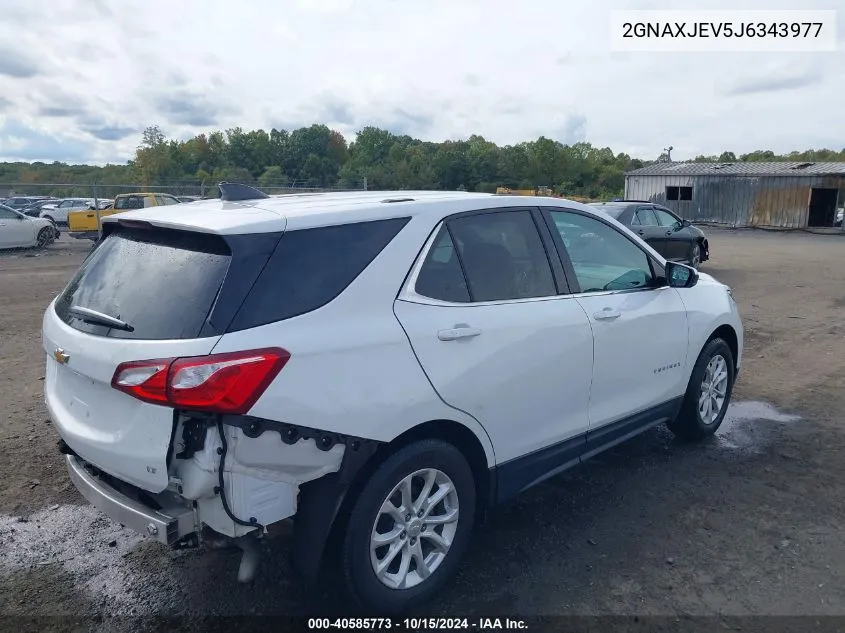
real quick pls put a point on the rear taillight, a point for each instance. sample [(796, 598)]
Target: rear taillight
[(220, 383)]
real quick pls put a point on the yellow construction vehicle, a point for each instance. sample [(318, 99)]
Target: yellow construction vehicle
[(539, 191)]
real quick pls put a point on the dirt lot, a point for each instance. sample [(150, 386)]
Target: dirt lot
[(750, 523)]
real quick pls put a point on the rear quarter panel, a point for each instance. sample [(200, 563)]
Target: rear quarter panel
[(352, 369)]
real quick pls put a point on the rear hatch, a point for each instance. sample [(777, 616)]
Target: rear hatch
[(165, 286)]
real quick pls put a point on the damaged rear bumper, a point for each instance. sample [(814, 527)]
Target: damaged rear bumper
[(168, 524)]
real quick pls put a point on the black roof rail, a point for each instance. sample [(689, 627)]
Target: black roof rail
[(235, 191), (390, 200)]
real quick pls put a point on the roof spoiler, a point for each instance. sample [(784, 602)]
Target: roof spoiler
[(235, 191)]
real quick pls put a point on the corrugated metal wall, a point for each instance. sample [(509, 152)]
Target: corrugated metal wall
[(765, 201)]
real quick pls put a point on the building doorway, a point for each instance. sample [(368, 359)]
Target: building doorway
[(822, 207)]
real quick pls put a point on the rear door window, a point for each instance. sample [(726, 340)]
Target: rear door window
[(645, 217), (441, 276), (162, 283), (310, 267), (503, 256)]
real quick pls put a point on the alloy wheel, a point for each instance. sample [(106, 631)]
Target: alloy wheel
[(414, 529), (714, 390)]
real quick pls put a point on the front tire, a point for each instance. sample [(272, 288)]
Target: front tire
[(708, 393), (409, 527), (694, 257), (46, 236)]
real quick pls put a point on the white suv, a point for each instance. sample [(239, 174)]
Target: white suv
[(57, 212), (380, 367)]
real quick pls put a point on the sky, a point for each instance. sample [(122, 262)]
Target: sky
[(80, 79)]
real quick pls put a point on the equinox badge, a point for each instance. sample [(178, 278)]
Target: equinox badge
[(60, 356)]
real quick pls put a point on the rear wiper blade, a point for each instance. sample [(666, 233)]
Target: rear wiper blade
[(98, 318)]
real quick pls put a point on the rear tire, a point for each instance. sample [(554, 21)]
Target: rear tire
[(415, 544), (708, 393)]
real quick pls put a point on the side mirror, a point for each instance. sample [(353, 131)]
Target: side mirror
[(681, 275)]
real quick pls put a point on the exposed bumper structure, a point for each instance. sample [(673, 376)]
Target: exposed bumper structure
[(166, 525)]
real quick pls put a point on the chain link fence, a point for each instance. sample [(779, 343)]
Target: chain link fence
[(179, 189)]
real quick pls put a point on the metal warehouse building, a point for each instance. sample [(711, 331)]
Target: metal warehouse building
[(781, 195)]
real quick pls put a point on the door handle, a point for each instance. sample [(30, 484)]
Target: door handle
[(461, 330), (668, 233), (641, 232), (607, 314)]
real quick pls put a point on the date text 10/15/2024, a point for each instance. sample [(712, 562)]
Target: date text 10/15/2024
[(415, 624)]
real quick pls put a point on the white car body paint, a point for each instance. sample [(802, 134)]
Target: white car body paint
[(369, 363), (18, 230)]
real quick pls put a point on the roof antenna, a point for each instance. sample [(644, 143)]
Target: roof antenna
[(235, 191), (667, 157)]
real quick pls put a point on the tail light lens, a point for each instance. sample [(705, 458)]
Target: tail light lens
[(219, 383)]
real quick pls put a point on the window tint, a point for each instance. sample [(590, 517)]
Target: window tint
[(182, 271), (130, 202), (645, 217), (603, 258), (613, 210), (503, 256), (441, 276), (665, 218), (7, 214), (169, 200), (310, 267)]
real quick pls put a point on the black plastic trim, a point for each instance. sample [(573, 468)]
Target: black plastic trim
[(521, 473), (236, 191), (250, 254), (610, 435)]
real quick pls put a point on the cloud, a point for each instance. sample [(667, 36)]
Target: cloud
[(61, 111), (21, 142), (573, 130), (335, 110), (760, 85), (87, 74), (191, 108), (14, 63), (106, 132), (400, 121)]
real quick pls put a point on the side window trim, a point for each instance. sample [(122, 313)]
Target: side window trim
[(657, 270), (561, 278)]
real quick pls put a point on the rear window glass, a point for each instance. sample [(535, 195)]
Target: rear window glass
[(162, 283), (130, 202), (310, 267), (613, 210)]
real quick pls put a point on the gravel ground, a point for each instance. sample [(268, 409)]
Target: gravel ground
[(749, 523)]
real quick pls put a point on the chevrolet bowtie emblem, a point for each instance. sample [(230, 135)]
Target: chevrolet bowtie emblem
[(60, 356)]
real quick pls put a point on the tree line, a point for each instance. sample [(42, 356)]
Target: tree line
[(318, 156)]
